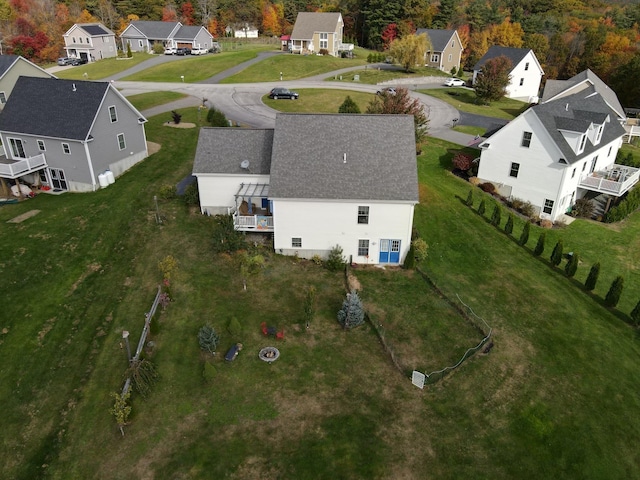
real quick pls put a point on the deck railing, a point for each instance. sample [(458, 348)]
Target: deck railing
[(616, 180), (22, 167), (253, 222)]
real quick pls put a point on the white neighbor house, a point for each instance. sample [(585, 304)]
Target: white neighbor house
[(525, 75), (316, 181), (558, 152)]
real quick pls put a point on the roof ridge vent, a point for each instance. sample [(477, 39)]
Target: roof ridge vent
[(73, 89), (566, 107)]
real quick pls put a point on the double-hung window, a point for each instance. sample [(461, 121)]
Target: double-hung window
[(526, 139), (296, 242), (363, 214), (363, 248), (548, 206), (113, 115), (515, 168), (324, 40), (121, 143)]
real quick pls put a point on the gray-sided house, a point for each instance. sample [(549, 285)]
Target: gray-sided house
[(316, 181), (142, 35), (446, 49), (315, 31), (64, 134), (90, 42), (525, 75), (13, 67)]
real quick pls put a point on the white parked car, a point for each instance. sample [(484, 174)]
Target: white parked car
[(454, 82), (170, 51), (198, 51)]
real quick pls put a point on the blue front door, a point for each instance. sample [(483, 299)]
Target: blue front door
[(389, 251)]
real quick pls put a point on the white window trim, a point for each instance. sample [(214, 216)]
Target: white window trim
[(3, 97), (361, 246), (522, 142), (15, 140), (64, 144), (296, 242), (41, 145), (364, 213), (124, 141), (114, 117), (550, 207)]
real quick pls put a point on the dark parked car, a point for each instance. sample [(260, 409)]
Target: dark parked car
[(183, 51), (277, 93), (78, 61)]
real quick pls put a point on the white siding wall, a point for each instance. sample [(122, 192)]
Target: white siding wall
[(218, 192), (532, 77), (322, 225), (540, 175)]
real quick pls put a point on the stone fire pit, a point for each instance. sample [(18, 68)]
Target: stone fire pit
[(269, 354)]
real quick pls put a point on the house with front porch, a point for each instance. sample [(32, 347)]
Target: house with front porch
[(558, 152), (142, 35), (315, 31), (446, 49), (90, 42), (525, 75), (64, 134), (316, 181)]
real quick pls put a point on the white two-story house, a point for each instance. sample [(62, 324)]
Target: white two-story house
[(525, 75), (316, 181), (557, 152)]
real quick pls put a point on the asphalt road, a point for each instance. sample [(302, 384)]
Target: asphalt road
[(242, 103)]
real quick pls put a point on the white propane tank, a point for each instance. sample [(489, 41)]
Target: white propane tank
[(110, 177), (102, 180)]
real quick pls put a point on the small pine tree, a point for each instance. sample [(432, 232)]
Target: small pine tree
[(572, 265), (524, 236), (508, 227), (469, 201), (335, 261), (235, 327), (349, 106), (614, 293), (482, 207), (352, 313), (540, 245), (208, 339), (129, 54), (635, 314), (495, 216), (176, 117), (216, 118), (556, 255), (592, 278)]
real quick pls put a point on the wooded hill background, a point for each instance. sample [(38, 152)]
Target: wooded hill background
[(567, 36)]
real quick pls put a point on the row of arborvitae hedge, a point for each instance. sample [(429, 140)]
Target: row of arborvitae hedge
[(615, 290)]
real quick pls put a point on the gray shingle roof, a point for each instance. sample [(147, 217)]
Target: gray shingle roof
[(439, 38), (555, 88), (222, 150), (187, 32), (154, 29), (6, 61), (340, 156), (307, 23), (514, 54), (575, 113), (52, 107)]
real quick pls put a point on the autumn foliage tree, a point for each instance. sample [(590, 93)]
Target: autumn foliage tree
[(402, 103), (270, 20), (491, 82), (409, 51), (389, 34)]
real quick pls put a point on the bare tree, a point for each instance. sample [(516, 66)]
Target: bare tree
[(207, 10)]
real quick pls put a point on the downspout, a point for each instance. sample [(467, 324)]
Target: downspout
[(88, 154)]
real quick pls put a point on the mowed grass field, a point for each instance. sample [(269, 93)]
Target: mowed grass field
[(555, 397)]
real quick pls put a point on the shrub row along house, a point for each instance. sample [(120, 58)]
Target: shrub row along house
[(316, 181), (561, 150), (63, 134)]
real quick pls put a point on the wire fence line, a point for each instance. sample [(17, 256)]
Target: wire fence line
[(143, 337)]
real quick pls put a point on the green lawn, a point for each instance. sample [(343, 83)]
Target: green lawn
[(143, 101), (103, 68), (294, 67), (197, 68), (464, 100), (374, 75), (319, 101), (555, 398)]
